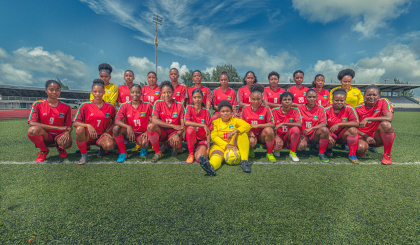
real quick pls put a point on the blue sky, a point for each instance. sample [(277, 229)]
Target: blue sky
[(41, 40)]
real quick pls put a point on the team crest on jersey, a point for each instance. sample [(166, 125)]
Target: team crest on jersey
[(304, 93), (261, 117), (230, 126), (61, 115), (377, 111), (291, 119), (107, 115), (325, 97), (156, 92), (229, 98), (204, 93), (315, 118), (178, 93), (203, 121), (174, 115), (108, 91), (143, 114), (344, 119)]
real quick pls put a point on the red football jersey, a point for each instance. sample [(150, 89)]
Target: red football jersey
[(347, 114), (42, 112), (261, 116), (138, 118), (313, 117), (381, 107), (298, 94), (100, 119), (180, 92), (150, 95), (323, 98), (273, 96), (206, 94), (202, 117), (292, 116), (172, 115), (124, 94), (244, 96), (218, 96)]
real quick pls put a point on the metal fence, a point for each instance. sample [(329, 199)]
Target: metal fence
[(21, 98)]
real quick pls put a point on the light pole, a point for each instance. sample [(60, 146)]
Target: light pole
[(158, 21)]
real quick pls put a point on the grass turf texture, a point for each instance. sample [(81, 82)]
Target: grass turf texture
[(16, 147), (168, 203)]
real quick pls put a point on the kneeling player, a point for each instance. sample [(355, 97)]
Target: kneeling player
[(50, 123), (229, 133), (167, 122), (314, 127), (287, 122), (375, 128), (94, 123), (198, 122), (342, 122), (131, 123), (261, 121)]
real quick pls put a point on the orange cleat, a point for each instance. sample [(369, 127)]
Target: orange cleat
[(42, 156), (190, 159), (386, 159)]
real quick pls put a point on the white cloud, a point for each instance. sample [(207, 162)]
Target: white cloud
[(12, 76), (142, 66), (181, 69), (367, 17), (3, 53)]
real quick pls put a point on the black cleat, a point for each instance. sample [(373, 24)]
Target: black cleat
[(373, 149), (323, 158), (205, 164), (245, 166), (101, 153), (345, 147)]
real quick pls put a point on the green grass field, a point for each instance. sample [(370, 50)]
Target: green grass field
[(167, 203)]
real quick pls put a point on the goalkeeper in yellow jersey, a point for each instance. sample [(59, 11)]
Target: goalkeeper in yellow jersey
[(229, 136)]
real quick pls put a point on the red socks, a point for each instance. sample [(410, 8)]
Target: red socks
[(323, 143), (387, 141), (120, 143), (294, 138), (154, 140), (270, 146), (190, 137), (353, 142), (38, 140), (82, 147)]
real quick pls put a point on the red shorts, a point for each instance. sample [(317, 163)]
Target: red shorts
[(258, 137), (338, 138), (91, 141), (284, 139), (137, 135), (376, 145), (166, 133), (52, 138), (310, 138)]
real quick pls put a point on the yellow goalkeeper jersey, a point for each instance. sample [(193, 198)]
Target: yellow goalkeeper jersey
[(354, 96), (221, 130), (111, 94)]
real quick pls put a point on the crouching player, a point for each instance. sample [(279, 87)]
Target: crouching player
[(288, 122), (94, 123), (314, 127), (229, 133), (342, 122), (167, 122), (131, 123), (261, 120), (198, 122), (50, 123), (375, 128)]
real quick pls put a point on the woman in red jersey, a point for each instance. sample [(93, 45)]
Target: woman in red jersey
[(244, 93), (287, 121), (167, 122), (314, 127), (131, 123), (342, 122), (94, 122), (261, 120), (323, 96), (50, 123), (196, 77), (375, 128), (298, 90), (124, 90), (272, 93), (198, 122), (151, 93), (224, 93), (180, 90)]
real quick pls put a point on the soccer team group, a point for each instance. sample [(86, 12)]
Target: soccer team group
[(154, 115)]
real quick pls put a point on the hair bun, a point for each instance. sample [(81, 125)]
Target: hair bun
[(346, 72), (105, 67), (98, 81)]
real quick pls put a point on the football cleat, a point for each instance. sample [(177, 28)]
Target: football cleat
[(251, 153), (136, 148), (156, 157), (245, 166), (83, 159), (122, 157), (353, 159), (386, 159), (205, 164), (271, 158), (276, 153), (345, 147), (42, 155), (373, 149), (293, 156), (362, 154), (323, 158), (101, 153), (190, 159), (144, 152), (61, 152), (163, 147), (328, 152)]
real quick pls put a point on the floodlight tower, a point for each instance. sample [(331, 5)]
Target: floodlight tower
[(158, 21)]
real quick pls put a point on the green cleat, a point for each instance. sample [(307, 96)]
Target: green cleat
[(323, 158), (271, 157), (156, 157), (252, 153)]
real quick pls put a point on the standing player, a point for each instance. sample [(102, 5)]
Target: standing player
[(131, 123), (167, 122), (375, 128), (228, 133), (198, 122), (151, 93), (224, 93), (261, 120), (180, 90), (272, 93), (298, 90), (94, 123), (50, 123), (342, 122), (354, 96), (314, 127), (323, 96), (197, 84), (288, 122), (111, 90), (244, 93), (124, 90)]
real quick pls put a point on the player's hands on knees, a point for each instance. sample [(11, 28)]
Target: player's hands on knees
[(331, 141), (231, 134), (107, 135), (278, 142), (178, 127), (229, 146), (333, 128), (175, 140), (144, 136), (130, 134), (92, 132), (278, 126), (370, 140), (362, 123), (306, 131), (65, 137)]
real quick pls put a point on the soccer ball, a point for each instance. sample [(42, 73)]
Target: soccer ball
[(232, 157)]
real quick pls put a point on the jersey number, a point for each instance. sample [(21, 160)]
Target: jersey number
[(137, 122), (284, 129), (99, 123), (51, 120), (275, 100), (168, 120), (151, 98), (308, 124), (127, 98), (254, 122)]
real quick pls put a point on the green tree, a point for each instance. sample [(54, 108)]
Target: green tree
[(231, 71), (63, 87), (408, 93), (187, 78)]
